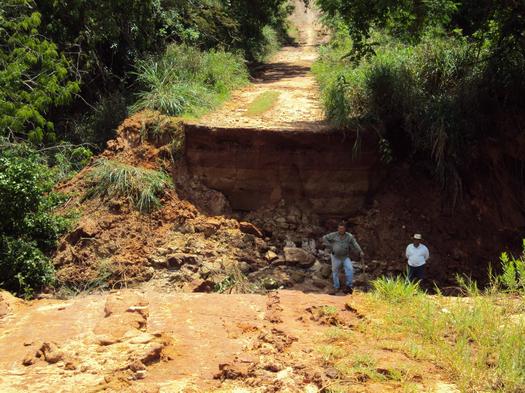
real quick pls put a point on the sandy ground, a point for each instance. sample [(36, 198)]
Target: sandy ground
[(298, 106)]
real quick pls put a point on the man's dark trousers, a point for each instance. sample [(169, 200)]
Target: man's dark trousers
[(416, 273)]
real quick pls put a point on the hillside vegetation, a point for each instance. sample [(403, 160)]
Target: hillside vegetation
[(434, 79), (69, 75)]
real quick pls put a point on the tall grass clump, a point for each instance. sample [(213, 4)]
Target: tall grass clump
[(188, 81), (395, 289), (141, 186)]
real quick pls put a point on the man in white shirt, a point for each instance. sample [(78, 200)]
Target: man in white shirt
[(417, 255)]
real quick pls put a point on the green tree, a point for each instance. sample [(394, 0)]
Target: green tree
[(33, 74)]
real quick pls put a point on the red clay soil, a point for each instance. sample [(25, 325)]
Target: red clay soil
[(143, 341)]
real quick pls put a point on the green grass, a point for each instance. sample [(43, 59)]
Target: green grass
[(141, 186), (262, 103), (395, 289), (187, 81), (476, 340)]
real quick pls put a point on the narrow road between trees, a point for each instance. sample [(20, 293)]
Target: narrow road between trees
[(286, 83)]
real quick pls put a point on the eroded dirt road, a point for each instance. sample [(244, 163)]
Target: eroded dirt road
[(288, 73), (142, 341)]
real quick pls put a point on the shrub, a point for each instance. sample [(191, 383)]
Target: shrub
[(141, 186), (269, 44), (98, 124), (186, 80), (512, 277), (23, 266), (28, 227)]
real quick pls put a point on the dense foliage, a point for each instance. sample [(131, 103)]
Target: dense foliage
[(28, 228), (432, 77), (33, 74)]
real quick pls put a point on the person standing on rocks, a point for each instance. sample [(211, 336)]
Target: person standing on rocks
[(340, 243), (417, 255)]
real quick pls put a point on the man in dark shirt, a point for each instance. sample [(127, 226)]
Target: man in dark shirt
[(340, 243)]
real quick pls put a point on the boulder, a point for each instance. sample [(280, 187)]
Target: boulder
[(298, 256), (200, 285), (297, 276), (321, 284), (177, 260), (361, 280), (249, 228), (86, 229)]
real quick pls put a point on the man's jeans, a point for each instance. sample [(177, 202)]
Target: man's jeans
[(349, 271)]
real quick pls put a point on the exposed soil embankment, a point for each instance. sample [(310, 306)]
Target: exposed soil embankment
[(254, 168)]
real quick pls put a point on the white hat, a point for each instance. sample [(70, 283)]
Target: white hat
[(418, 236)]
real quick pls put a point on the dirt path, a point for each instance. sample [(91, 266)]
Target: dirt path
[(287, 75), (143, 341)]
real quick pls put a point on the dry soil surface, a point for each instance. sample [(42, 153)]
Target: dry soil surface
[(142, 341)]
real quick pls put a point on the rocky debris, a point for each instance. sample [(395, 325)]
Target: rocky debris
[(298, 256), (122, 314), (7, 301), (287, 221), (49, 352), (235, 370)]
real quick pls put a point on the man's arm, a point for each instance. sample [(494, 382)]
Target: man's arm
[(355, 245), (427, 253), (407, 253), (327, 239)]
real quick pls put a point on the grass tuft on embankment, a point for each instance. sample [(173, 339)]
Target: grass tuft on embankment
[(143, 187), (477, 340)]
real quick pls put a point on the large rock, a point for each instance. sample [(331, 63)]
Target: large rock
[(86, 229), (177, 260), (298, 256), (249, 228)]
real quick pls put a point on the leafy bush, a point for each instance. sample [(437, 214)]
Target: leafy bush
[(141, 186), (270, 43), (188, 81), (28, 228), (432, 78), (23, 267), (421, 99)]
